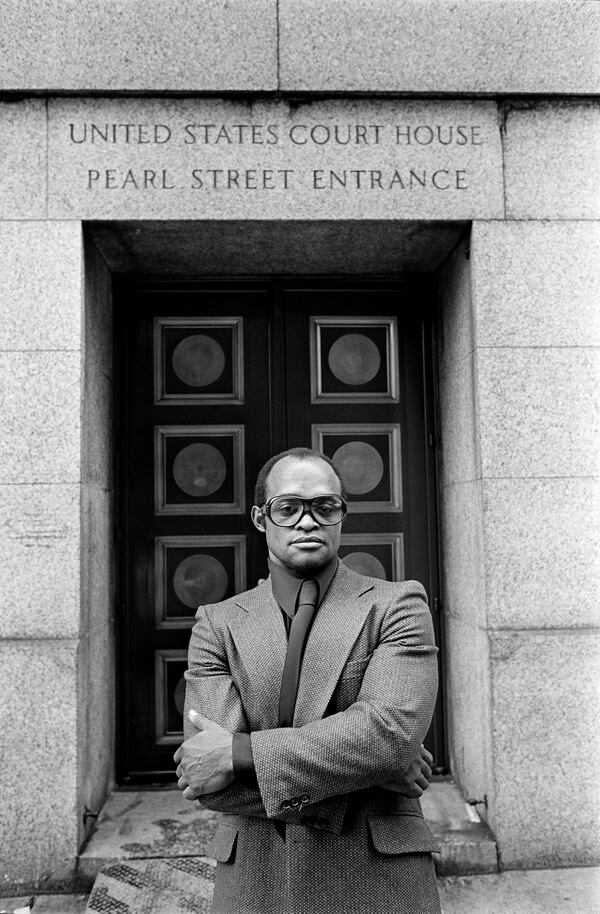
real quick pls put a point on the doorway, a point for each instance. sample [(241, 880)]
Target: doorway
[(214, 377)]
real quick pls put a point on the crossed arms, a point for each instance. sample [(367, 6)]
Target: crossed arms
[(371, 742)]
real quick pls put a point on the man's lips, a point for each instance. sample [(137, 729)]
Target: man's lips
[(309, 539)]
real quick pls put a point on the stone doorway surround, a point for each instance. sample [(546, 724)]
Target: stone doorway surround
[(124, 828)]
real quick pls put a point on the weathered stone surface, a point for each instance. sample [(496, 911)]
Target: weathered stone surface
[(440, 46), (469, 709), (538, 411), (39, 561), (23, 155), (467, 845), (157, 159), (542, 542), (536, 283), (456, 326), (40, 277), (98, 325), (38, 826), (463, 551), (459, 444), (141, 45), (40, 398), (147, 824), (97, 438), (459, 422), (545, 745), (97, 661), (552, 159)]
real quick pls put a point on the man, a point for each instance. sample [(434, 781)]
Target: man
[(307, 701)]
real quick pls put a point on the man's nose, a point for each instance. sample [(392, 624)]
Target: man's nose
[(307, 522)]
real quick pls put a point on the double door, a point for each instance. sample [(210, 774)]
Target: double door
[(215, 377)]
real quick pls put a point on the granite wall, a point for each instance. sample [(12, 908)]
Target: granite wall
[(40, 544)]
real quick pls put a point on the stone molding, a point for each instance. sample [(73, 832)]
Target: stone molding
[(409, 47)]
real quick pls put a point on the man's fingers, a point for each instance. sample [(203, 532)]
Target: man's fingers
[(182, 783), (190, 793), (426, 754), (178, 756), (426, 770)]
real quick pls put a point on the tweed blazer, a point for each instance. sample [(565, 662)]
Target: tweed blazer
[(366, 694)]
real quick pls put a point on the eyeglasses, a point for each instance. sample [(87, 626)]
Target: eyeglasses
[(287, 510)]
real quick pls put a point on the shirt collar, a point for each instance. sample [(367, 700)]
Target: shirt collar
[(286, 585)]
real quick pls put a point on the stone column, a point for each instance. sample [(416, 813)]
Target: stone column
[(55, 378), (537, 385), (520, 380), (40, 497)]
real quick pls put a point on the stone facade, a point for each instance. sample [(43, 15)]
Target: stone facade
[(513, 241)]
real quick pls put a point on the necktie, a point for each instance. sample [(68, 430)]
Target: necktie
[(308, 598)]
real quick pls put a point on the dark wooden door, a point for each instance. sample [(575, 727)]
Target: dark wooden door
[(215, 377)]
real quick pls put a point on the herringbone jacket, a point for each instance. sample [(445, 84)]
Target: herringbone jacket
[(365, 699)]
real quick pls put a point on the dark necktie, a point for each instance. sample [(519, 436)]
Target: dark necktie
[(308, 598)]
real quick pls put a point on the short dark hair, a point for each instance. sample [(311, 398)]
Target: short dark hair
[(299, 453)]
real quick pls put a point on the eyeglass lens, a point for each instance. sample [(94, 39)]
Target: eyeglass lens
[(286, 511)]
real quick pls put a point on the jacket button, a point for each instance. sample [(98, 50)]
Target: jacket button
[(304, 798), (286, 804), (295, 802)]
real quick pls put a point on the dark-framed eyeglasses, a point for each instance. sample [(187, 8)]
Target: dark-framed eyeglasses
[(287, 510)]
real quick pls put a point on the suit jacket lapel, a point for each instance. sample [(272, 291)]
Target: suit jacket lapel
[(336, 627), (261, 642)]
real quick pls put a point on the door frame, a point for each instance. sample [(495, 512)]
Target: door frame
[(427, 282)]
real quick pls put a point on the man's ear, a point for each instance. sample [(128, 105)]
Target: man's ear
[(258, 519)]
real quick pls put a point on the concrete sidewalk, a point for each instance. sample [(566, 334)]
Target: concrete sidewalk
[(564, 891)]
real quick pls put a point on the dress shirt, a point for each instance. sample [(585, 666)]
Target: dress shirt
[(286, 587)]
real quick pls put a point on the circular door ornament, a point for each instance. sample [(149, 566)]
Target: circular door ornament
[(354, 359), (199, 469), (365, 563), (198, 360), (360, 466), (200, 579), (179, 695)]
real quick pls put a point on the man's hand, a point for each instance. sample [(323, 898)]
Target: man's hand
[(205, 761), (415, 779)]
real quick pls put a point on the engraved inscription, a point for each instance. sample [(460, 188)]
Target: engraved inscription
[(319, 135), (220, 159)]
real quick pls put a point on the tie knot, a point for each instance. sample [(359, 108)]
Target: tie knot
[(309, 593)]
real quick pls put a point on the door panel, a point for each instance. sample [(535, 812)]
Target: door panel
[(216, 377), (359, 395), (195, 433)]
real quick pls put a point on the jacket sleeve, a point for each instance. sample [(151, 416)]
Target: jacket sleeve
[(211, 691), (373, 738)]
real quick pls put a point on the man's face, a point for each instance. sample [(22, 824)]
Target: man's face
[(308, 546)]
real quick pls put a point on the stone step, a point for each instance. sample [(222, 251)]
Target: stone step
[(146, 824), (468, 845)]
